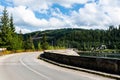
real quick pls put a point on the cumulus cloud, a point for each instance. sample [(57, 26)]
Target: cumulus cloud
[(23, 30), (1, 8), (95, 14), (90, 15), (26, 16), (21, 15), (40, 5), (112, 10), (69, 3)]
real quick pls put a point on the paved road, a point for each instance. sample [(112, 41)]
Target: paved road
[(25, 66)]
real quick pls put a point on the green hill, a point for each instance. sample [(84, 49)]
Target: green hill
[(82, 39)]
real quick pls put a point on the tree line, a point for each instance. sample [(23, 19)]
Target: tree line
[(8, 38), (81, 39), (86, 39), (14, 41)]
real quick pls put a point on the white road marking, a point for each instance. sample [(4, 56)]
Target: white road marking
[(21, 61), (93, 77)]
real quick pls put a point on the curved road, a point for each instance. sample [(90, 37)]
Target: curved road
[(26, 66)]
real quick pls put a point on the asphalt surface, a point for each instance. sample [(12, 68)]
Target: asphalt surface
[(26, 66)]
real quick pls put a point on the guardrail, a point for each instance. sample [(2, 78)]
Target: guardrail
[(101, 64)]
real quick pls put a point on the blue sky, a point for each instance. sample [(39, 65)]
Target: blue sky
[(32, 15)]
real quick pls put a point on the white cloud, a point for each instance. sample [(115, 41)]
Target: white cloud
[(41, 5), (69, 3), (26, 16), (98, 16), (112, 10), (93, 15), (1, 8), (34, 5), (110, 3), (23, 30)]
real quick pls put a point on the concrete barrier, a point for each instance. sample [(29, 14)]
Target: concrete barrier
[(100, 64)]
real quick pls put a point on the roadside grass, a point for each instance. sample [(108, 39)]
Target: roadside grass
[(55, 47), (6, 52), (14, 51)]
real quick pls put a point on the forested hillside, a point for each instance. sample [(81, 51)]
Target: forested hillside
[(79, 38)]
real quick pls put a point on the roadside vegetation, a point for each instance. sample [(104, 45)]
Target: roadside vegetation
[(15, 42), (80, 39)]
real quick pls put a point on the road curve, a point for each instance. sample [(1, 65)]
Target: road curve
[(26, 66)]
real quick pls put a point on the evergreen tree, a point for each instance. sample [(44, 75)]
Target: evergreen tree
[(39, 46), (12, 24), (16, 43), (5, 30), (29, 44), (8, 38), (20, 39), (45, 44)]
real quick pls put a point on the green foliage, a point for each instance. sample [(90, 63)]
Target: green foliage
[(12, 24), (5, 30), (44, 43), (8, 38), (28, 44), (80, 38), (39, 46), (17, 43), (51, 39)]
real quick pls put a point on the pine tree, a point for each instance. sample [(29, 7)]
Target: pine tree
[(45, 44), (5, 30), (12, 24), (20, 39), (29, 44), (14, 38), (8, 38)]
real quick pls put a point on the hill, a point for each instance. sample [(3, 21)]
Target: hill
[(82, 39)]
